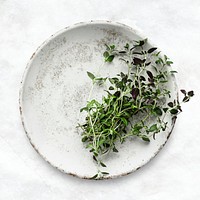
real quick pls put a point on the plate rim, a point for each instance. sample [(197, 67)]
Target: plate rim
[(133, 29)]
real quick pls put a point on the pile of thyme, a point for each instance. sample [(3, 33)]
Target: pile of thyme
[(142, 91)]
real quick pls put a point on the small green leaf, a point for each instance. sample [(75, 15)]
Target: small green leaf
[(84, 108), (94, 177), (105, 54), (170, 104), (165, 57), (84, 139), (147, 64), (112, 46), (191, 93), (150, 74), (135, 92), (111, 88), (126, 46), (173, 72), (138, 61), (186, 99), (107, 47), (122, 74), (105, 173), (179, 108), (95, 154), (153, 128), (94, 158), (164, 81), (183, 91), (165, 109), (152, 50), (91, 75), (99, 79), (114, 149), (158, 111), (158, 53), (174, 111), (158, 61), (124, 121), (141, 42), (117, 94), (109, 58), (145, 138), (92, 150), (102, 164), (169, 62), (111, 80)]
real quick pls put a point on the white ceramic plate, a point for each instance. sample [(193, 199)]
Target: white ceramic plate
[(54, 88)]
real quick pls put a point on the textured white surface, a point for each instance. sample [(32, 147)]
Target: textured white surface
[(173, 25)]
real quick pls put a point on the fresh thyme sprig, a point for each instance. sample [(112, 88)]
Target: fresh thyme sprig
[(141, 92)]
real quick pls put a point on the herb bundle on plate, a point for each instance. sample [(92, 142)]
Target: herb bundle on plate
[(132, 98)]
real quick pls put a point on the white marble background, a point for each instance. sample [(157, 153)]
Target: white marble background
[(173, 25)]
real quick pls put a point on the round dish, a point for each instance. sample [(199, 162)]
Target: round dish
[(54, 88)]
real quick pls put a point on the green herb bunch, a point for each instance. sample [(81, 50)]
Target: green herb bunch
[(137, 96)]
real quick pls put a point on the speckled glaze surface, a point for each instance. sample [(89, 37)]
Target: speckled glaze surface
[(54, 88)]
